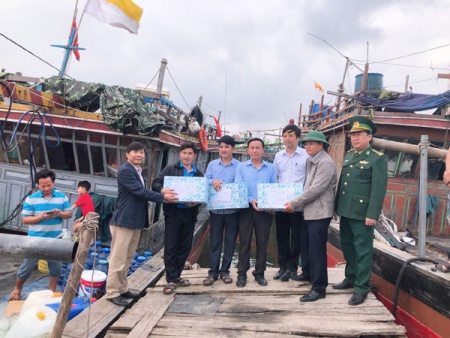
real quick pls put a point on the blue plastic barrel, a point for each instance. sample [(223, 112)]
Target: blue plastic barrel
[(374, 82)]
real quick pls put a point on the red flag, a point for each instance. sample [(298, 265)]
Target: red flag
[(76, 52), (219, 131)]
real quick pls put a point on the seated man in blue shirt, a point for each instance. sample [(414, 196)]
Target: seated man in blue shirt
[(180, 219), (222, 171), (252, 172)]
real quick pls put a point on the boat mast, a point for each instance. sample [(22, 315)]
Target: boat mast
[(69, 47), (159, 86)]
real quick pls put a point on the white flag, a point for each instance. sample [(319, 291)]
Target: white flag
[(120, 13)]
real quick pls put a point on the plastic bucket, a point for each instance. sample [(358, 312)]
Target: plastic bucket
[(91, 281)]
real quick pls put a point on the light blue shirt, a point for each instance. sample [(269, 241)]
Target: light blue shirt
[(246, 172), (218, 171), (291, 168), (37, 204)]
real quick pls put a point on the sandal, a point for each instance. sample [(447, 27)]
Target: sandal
[(169, 289), (182, 282), (226, 279), (443, 266), (209, 280)]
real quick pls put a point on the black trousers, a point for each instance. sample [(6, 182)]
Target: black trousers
[(289, 227), (178, 234), (314, 252), (223, 228), (260, 221)]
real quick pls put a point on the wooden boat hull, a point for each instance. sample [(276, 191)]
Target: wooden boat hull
[(423, 298)]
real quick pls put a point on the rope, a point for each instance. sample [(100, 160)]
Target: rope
[(177, 87), (43, 120)]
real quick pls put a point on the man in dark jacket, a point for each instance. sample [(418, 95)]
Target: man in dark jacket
[(180, 219), (127, 221)]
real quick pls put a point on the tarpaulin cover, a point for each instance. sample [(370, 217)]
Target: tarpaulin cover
[(125, 109), (409, 101), (77, 94)]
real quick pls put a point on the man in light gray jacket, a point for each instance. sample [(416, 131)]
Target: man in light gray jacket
[(317, 202)]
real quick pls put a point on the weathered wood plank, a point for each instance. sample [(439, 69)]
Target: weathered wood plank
[(95, 319), (288, 323), (219, 333)]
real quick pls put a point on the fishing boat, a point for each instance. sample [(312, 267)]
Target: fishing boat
[(68, 135), (404, 275)]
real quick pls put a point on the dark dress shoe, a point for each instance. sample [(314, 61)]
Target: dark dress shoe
[(300, 278), (130, 294), (279, 273), (119, 301), (357, 298), (241, 281), (286, 275), (261, 280), (312, 296), (345, 284)]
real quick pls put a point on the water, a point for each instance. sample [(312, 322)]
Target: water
[(272, 251)]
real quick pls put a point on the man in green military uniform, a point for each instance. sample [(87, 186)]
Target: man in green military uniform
[(359, 199)]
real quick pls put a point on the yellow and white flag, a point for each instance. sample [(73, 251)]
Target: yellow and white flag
[(120, 13)]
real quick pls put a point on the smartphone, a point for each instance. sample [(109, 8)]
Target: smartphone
[(49, 212)]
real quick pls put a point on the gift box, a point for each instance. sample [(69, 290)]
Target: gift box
[(272, 196), (230, 196), (189, 189)]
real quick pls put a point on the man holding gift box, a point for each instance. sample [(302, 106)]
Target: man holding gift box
[(252, 172), (220, 171), (317, 201), (180, 219), (291, 168), (127, 222)]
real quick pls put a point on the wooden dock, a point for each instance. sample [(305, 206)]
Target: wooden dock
[(223, 310)]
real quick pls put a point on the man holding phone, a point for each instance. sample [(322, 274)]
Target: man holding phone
[(44, 212)]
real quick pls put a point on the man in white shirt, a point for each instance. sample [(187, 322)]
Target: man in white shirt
[(291, 168)]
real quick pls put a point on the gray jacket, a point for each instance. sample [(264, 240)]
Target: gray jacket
[(317, 199)]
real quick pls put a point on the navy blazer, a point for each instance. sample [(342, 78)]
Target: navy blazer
[(132, 207)]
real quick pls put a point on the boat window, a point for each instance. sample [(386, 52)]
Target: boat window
[(436, 166), (407, 165), (83, 159), (111, 139), (97, 160), (12, 155), (111, 161), (61, 157), (80, 135)]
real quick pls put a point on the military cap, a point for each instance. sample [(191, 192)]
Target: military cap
[(360, 123), (315, 136)]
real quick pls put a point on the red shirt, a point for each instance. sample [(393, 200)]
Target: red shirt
[(86, 204)]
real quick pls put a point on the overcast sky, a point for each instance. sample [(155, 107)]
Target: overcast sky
[(251, 59)]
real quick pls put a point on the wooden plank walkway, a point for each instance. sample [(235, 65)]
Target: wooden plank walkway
[(223, 310)]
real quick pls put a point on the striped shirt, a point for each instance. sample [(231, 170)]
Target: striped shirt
[(36, 204)]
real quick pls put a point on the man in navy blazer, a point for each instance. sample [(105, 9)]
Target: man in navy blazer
[(127, 221)]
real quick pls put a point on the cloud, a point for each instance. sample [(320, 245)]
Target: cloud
[(252, 60)]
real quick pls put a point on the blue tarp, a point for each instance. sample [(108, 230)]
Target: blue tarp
[(409, 101)]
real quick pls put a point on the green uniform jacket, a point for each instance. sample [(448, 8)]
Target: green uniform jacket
[(362, 185)]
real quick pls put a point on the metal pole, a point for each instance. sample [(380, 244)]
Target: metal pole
[(423, 194), (51, 249), (159, 86)]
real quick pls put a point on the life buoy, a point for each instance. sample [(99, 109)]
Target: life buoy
[(203, 139)]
